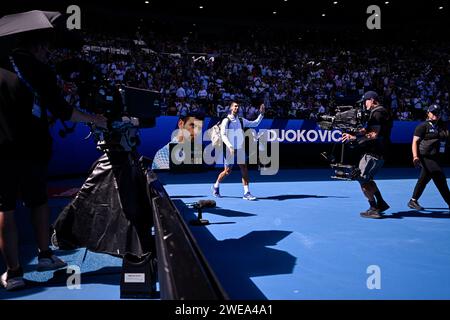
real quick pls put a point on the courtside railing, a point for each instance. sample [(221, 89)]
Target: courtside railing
[(183, 271)]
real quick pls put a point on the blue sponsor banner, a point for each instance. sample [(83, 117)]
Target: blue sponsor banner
[(75, 154)]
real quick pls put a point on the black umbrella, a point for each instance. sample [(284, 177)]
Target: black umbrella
[(36, 24), (27, 21)]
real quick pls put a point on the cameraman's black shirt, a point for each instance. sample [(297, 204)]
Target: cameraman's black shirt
[(21, 133), (379, 117), (431, 134)]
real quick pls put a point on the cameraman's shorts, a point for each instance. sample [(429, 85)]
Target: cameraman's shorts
[(369, 166), (22, 179)]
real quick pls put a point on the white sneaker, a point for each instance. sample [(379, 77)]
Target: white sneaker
[(51, 263), (249, 196), (13, 283)]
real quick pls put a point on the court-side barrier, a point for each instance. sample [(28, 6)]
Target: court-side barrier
[(183, 271)]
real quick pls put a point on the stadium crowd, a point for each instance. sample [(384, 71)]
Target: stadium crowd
[(293, 80)]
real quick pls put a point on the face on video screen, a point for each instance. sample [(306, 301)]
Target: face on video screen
[(192, 125)]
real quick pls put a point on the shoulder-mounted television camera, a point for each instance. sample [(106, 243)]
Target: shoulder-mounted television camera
[(347, 119)]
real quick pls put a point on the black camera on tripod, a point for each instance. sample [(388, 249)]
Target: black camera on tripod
[(347, 119), (126, 108)]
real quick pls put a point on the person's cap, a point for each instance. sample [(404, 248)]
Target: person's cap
[(369, 95), (434, 109)]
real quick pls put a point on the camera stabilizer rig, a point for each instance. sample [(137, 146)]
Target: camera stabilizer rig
[(343, 171), (348, 119)]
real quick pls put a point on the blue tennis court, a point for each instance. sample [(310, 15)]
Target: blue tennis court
[(302, 239)]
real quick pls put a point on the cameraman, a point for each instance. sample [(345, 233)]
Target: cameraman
[(373, 140), (429, 142), (27, 90)]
